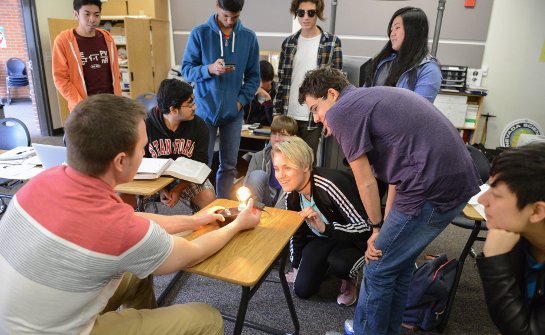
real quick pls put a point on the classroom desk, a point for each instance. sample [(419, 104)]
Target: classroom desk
[(250, 134), (9, 183), (142, 188), (471, 213), (248, 258)]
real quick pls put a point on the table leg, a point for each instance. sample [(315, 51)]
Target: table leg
[(287, 292), (140, 203), (242, 308), (247, 294), (463, 256), (169, 287)]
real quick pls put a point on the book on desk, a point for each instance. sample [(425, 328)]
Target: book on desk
[(181, 168)]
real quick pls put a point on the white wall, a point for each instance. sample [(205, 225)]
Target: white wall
[(60, 9), (516, 76)]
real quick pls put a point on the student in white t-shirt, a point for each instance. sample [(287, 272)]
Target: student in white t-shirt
[(307, 49)]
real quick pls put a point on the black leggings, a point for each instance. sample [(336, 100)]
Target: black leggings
[(342, 259)]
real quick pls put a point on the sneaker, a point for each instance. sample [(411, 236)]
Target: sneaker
[(348, 294), (349, 327)]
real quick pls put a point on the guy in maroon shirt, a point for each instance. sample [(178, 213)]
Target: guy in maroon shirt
[(85, 59), (96, 65)]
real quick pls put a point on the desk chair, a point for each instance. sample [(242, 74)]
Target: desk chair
[(149, 100), (16, 75), (13, 133), (483, 167)]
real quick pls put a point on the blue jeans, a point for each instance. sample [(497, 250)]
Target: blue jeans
[(386, 281), (229, 145), (258, 183)]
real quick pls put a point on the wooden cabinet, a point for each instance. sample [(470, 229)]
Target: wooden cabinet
[(157, 9), (463, 110), (146, 42)]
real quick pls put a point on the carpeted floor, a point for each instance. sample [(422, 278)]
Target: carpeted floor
[(321, 313)]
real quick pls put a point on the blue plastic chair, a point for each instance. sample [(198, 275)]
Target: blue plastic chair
[(16, 75), (149, 100), (13, 133)]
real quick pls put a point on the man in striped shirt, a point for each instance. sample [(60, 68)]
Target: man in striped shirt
[(72, 253)]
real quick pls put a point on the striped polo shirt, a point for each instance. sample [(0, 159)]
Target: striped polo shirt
[(65, 242)]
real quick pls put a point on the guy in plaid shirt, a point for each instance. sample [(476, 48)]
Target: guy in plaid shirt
[(310, 40)]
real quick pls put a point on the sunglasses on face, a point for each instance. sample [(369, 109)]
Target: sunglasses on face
[(310, 12)]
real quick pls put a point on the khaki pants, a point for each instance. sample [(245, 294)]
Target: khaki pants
[(140, 315)]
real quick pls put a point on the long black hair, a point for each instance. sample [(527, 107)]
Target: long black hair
[(413, 49)]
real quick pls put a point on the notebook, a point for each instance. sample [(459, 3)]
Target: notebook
[(50, 155)]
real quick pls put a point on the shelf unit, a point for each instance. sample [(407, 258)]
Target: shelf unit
[(463, 110), (454, 78)]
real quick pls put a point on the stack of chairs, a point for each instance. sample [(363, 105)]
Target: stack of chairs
[(16, 75)]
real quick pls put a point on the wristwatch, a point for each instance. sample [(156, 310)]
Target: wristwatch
[(375, 225)]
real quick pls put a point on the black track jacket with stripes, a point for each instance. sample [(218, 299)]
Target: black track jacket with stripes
[(336, 195)]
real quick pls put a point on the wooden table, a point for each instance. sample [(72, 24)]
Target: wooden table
[(142, 188), (471, 213), (250, 134), (249, 257)]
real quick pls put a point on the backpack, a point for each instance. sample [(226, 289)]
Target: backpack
[(429, 292)]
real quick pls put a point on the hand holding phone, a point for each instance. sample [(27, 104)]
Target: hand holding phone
[(219, 67)]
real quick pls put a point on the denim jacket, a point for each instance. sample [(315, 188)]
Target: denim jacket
[(428, 76)]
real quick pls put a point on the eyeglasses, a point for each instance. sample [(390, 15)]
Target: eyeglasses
[(310, 12), (189, 105)]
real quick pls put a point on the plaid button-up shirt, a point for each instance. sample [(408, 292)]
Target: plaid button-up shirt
[(329, 52)]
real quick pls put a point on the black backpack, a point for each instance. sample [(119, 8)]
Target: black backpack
[(429, 292)]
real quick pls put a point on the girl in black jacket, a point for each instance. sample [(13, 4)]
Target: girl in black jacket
[(334, 238)]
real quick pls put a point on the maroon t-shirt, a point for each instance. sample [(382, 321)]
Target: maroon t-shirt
[(96, 63)]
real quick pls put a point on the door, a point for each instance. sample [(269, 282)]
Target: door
[(160, 48), (139, 55), (55, 28)]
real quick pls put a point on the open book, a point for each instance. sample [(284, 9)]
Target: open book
[(152, 168), (181, 168), (188, 169)]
